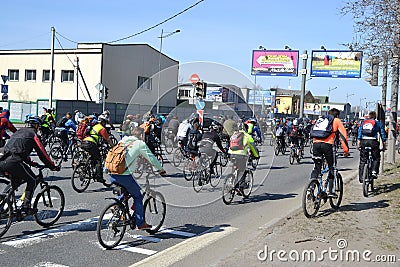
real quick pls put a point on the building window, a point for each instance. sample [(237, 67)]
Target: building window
[(46, 75), (13, 75), (67, 76), (184, 93), (30, 75), (144, 83), (278, 102)]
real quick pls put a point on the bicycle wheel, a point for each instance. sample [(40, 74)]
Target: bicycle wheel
[(169, 145), (6, 212), (56, 154), (199, 180), (80, 179), (113, 139), (177, 157), (228, 189), (160, 159), (111, 225), (155, 209), (311, 199), (277, 149), (50, 203), (291, 157), (365, 181), (188, 170), (311, 147), (335, 202), (247, 184), (78, 156), (216, 177)]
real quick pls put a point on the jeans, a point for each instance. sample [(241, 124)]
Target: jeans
[(133, 188)]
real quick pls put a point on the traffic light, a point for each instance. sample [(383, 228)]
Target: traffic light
[(199, 90), (106, 93), (373, 70)]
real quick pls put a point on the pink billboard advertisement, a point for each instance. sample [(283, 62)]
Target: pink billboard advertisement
[(275, 62)]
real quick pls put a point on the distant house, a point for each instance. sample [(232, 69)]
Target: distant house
[(288, 101)]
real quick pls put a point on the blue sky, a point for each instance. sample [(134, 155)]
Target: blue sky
[(220, 31)]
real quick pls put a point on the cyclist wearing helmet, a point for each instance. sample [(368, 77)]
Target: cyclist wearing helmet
[(207, 142), (92, 142), (106, 114), (16, 159), (5, 124), (294, 135), (253, 129)]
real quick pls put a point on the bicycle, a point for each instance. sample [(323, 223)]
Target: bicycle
[(315, 192), (84, 173), (169, 139), (272, 140), (116, 216), (48, 205), (295, 154), (367, 179), (279, 147), (203, 175), (59, 153), (179, 154), (233, 185)]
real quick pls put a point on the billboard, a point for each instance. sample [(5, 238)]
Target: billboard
[(275, 62), (312, 108), (259, 97), (336, 64), (214, 94)]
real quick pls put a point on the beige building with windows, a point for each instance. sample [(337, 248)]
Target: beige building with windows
[(126, 70)]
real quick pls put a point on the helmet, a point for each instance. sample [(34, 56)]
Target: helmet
[(214, 126), (34, 120), (5, 113), (295, 123), (106, 112), (102, 118), (252, 120)]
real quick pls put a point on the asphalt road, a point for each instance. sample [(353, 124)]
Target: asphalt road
[(72, 241)]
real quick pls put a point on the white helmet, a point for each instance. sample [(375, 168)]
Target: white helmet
[(295, 122)]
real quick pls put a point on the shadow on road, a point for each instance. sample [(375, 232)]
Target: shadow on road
[(385, 188), (357, 207)]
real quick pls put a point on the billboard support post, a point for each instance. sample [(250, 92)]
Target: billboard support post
[(303, 83)]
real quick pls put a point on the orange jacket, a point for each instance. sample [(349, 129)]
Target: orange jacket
[(336, 126)]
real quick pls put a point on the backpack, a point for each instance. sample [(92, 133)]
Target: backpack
[(294, 132), (368, 128), (193, 143), (115, 160), (61, 122), (81, 131), (236, 141), (146, 127), (279, 131), (322, 127)]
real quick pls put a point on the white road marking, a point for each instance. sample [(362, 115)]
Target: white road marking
[(175, 232), (49, 264), (136, 250), (185, 248)]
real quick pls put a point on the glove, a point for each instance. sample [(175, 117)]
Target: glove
[(56, 168), (163, 173)]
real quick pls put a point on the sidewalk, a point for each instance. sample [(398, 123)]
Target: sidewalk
[(361, 233)]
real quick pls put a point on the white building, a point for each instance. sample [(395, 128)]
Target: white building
[(124, 69)]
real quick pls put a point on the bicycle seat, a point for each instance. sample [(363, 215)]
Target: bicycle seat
[(368, 148)]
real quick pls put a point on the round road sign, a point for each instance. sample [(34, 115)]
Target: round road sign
[(194, 78)]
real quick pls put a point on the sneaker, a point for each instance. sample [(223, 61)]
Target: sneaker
[(374, 174), (28, 211), (144, 226), (332, 195)]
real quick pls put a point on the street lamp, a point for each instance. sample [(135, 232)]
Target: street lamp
[(331, 89), (347, 101), (162, 36), (359, 112), (262, 47)]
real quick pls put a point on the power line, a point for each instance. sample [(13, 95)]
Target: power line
[(143, 31)]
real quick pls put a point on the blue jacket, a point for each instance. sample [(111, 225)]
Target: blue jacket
[(69, 124), (377, 128)]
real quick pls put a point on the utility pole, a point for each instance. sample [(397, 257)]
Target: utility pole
[(303, 83), (53, 30), (77, 78), (384, 92), (347, 101)]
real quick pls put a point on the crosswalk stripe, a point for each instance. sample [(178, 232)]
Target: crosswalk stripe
[(49, 264), (176, 232), (136, 250)]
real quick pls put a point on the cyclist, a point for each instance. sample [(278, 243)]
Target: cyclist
[(91, 144), (16, 159), (106, 114), (4, 125), (62, 128), (240, 143), (183, 131), (230, 126), (368, 137), (253, 129), (295, 134), (47, 122), (207, 142), (280, 134), (194, 137), (135, 148), (324, 133)]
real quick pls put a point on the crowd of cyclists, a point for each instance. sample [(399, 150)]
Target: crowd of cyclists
[(233, 136)]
